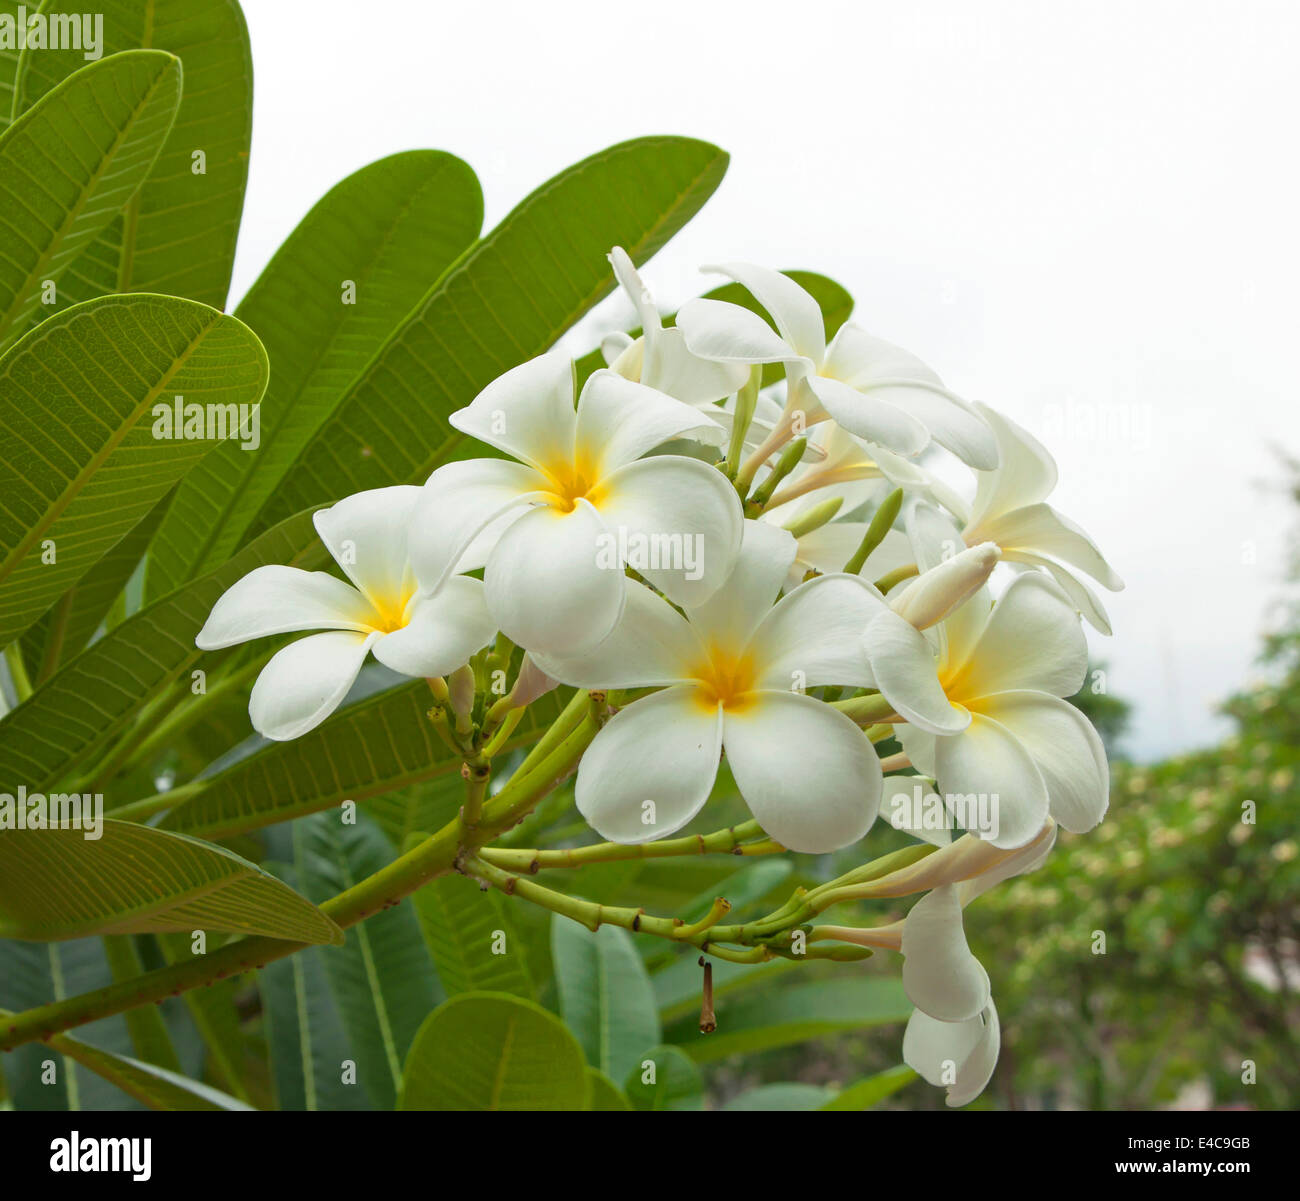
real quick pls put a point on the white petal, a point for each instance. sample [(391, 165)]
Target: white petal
[(829, 547), (869, 415), (1026, 472), (673, 369), (460, 501), (1029, 858), (904, 670), (528, 412), (367, 535), (960, 1056), (933, 533), (978, 1069), (728, 333), (662, 749), (814, 635), (626, 274), (652, 645), (988, 761), (442, 631), (618, 421), (793, 310), (274, 599), (679, 520), (733, 612), (1033, 640), (910, 803), (919, 746), (1066, 749), (1041, 529), (548, 587), (305, 682), (613, 345), (952, 423), (807, 773), (1081, 596), (858, 358), (940, 975)]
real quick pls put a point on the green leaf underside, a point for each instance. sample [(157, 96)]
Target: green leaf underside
[(177, 234), (107, 684), (665, 1078), (605, 994), (391, 229), (505, 301), (70, 163), (491, 1051), (79, 463), (871, 1090), (57, 884), (605, 1095)]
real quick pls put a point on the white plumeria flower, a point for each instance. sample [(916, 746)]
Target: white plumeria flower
[(1009, 509), (659, 358), (580, 495), (379, 613), (870, 387), (733, 672), (985, 716), (828, 548)]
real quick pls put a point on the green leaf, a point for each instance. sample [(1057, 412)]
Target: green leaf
[(33, 974), (177, 234), (872, 1089), (785, 1098), (605, 1095), (781, 1017), (505, 301), (96, 694), (665, 1078), (605, 994), (149, 1035), (492, 1051), (305, 1038), (679, 987), (57, 883), (70, 623), (472, 938), (149, 1084), (9, 60), (70, 163), (98, 369), (372, 747), (381, 979), (391, 229)]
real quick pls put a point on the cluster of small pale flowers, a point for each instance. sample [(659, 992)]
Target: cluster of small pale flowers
[(731, 620)]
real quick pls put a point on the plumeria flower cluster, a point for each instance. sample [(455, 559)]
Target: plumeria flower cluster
[(737, 538)]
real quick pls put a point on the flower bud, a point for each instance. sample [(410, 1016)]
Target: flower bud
[(460, 685), (937, 592), (531, 683)]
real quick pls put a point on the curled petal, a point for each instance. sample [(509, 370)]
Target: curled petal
[(1026, 472), (940, 975), (793, 310), (650, 770), (274, 599), (673, 369), (807, 773), (959, 1056), (903, 667), (367, 535), (305, 682), (441, 632), (728, 333), (1080, 595), (1041, 529), (874, 415), (618, 421)]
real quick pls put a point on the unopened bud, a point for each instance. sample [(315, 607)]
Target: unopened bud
[(531, 683), (460, 687), (936, 593)]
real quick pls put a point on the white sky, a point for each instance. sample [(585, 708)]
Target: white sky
[(1082, 214)]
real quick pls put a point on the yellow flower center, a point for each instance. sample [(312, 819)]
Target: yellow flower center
[(725, 678), (388, 613), (572, 481)]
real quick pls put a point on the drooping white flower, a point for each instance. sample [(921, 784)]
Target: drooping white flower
[(958, 1056), (985, 716), (578, 505), (379, 612), (870, 387), (733, 672), (659, 358), (1010, 510)]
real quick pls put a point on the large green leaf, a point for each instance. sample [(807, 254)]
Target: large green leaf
[(372, 747), (9, 60), (392, 229), (382, 980), (177, 234), (605, 1095), (783, 1016), (80, 464), (505, 301), (605, 994), (70, 163), (871, 1090), (100, 690), (58, 883), (156, 1087), (791, 1097), (492, 1051), (149, 1036), (664, 1078), (472, 938)]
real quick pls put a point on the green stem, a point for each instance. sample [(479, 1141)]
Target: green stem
[(881, 524), (722, 842)]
